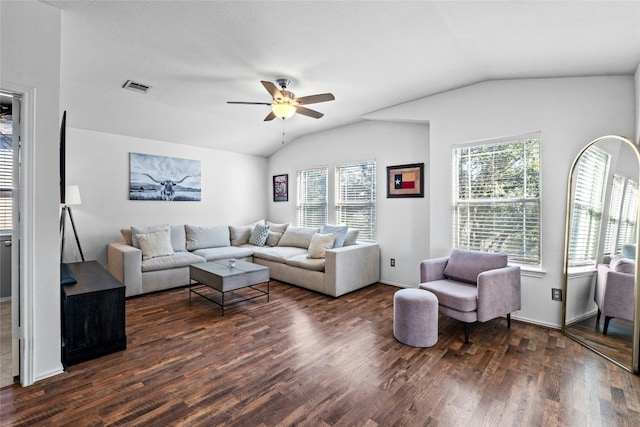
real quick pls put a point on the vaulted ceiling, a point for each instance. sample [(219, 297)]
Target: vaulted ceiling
[(370, 55)]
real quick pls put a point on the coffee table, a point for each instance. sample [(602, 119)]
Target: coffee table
[(220, 276)]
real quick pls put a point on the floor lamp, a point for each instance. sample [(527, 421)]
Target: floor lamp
[(72, 198)]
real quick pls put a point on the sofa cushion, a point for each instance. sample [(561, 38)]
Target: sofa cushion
[(147, 229), (206, 237), (155, 244), (465, 265), (278, 228), (277, 253), (299, 237), (178, 238), (177, 260), (240, 234), (224, 252), (126, 235), (315, 264), (456, 295), (259, 235), (319, 245), (339, 230), (623, 265), (352, 237)]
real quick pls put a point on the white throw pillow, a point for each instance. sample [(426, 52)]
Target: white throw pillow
[(155, 244), (319, 245), (149, 229)]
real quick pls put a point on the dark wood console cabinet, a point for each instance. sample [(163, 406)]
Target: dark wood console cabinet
[(93, 314)]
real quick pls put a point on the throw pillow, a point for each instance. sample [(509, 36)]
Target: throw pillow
[(155, 244), (273, 238), (150, 229), (319, 245), (259, 235), (352, 237), (278, 228), (340, 232), (207, 237)]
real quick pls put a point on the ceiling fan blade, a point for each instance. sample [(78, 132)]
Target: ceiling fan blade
[(314, 99), (249, 103), (272, 89), (308, 112), (270, 116)]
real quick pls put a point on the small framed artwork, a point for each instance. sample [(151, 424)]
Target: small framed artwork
[(281, 188), (405, 180)]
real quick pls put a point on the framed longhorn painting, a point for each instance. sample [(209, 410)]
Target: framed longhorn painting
[(405, 180), (169, 179)]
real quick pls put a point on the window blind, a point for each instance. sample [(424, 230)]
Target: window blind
[(6, 183), (628, 217), (588, 204), (613, 220), (356, 198), (312, 197), (497, 198)]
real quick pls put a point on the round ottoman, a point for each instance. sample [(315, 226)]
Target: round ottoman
[(415, 317)]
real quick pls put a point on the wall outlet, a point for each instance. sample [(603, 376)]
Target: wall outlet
[(393, 262), (556, 294)]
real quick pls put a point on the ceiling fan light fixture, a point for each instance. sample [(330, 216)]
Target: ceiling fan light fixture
[(283, 110)]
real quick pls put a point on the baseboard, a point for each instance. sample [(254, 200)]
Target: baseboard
[(3, 299), (397, 285)]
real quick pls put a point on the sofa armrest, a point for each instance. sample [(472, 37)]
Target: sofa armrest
[(124, 262), (618, 295), (433, 269), (498, 292), (351, 267)]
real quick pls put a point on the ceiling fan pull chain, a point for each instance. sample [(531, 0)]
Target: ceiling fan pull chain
[(283, 131)]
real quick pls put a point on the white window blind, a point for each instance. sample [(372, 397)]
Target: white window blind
[(628, 217), (312, 197), (591, 173), (613, 221), (356, 198), (497, 198)]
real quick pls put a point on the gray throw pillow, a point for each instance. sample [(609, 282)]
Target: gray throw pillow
[(339, 230), (259, 235), (207, 237)]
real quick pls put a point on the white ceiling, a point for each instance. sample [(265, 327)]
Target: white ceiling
[(370, 55)]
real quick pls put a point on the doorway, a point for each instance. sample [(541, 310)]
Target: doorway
[(10, 108)]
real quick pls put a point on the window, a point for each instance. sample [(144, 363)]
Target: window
[(312, 197), (497, 197), (621, 222), (356, 198), (588, 200), (6, 167)]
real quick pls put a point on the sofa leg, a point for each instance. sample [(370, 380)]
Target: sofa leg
[(607, 319), (598, 318), (509, 320), (466, 333)]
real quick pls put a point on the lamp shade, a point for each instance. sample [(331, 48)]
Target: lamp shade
[(283, 111), (72, 195)]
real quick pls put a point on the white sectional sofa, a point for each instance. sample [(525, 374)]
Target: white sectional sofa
[(143, 267)]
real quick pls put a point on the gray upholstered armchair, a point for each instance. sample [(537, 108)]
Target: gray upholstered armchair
[(472, 286), (614, 291)]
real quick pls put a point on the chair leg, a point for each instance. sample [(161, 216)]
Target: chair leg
[(607, 319), (598, 318), (466, 333), (509, 320)]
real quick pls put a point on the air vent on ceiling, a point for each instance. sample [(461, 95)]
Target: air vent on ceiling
[(138, 87)]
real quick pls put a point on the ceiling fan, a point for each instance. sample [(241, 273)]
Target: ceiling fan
[(285, 104)]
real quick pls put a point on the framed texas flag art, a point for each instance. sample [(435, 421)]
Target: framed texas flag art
[(405, 180)]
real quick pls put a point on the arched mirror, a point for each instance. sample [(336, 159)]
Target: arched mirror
[(600, 305)]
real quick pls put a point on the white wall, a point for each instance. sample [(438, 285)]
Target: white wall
[(234, 188), (402, 224), (570, 112), (30, 46)]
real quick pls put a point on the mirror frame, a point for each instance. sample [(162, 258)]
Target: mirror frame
[(568, 217)]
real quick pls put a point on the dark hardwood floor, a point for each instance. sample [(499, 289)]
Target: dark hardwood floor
[(308, 359)]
